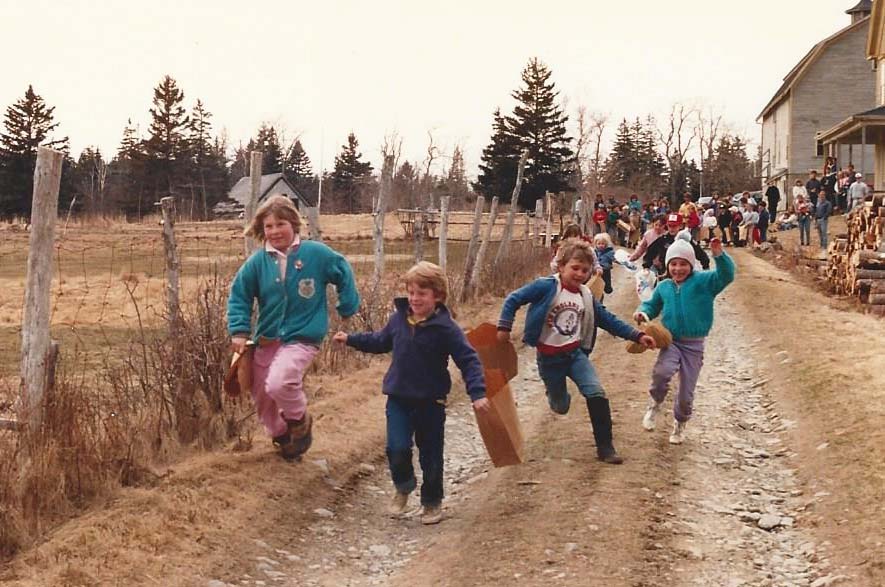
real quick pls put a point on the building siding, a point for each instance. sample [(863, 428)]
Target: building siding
[(838, 84)]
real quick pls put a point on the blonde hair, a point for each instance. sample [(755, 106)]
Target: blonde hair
[(280, 206), (575, 248), (603, 237), (429, 276)]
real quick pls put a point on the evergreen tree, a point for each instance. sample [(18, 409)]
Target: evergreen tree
[(730, 169), (130, 145), (166, 146), (406, 181), (298, 171), (540, 124), (497, 172), (128, 174), (28, 124), (199, 137), (350, 174), (454, 184), (621, 163), (267, 141), (208, 163), (298, 165)]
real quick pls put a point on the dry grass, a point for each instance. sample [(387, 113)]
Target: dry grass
[(130, 394)]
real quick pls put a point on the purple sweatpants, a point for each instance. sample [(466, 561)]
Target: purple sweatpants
[(277, 372), (686, 357)]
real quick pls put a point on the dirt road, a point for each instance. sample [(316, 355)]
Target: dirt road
[(779, 483)]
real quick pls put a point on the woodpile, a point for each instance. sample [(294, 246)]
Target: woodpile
[(857, 259)]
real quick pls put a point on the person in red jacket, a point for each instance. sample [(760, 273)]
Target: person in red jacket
[(693, 222), (600, 215)]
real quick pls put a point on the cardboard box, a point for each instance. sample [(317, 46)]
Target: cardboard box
[(499, 427)]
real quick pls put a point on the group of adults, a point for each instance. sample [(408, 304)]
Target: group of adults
[(837, 191)]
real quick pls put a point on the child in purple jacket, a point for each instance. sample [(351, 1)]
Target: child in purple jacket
[(422, 336)]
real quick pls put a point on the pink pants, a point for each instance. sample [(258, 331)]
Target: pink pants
[(277, 372)]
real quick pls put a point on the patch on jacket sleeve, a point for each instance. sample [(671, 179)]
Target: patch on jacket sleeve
[(306, 288)]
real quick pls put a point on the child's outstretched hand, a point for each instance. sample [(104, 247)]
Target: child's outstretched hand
[(647, 341), (503, 335), (716, 247), (482, 405), (340, 338)]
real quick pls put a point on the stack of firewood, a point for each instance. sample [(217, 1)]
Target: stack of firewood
[(857, 259)]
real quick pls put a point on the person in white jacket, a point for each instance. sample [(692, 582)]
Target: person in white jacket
[(799, 190), (748, 225), (857, 192)]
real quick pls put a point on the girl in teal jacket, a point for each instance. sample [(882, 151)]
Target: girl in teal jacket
[(685, 304), (288, 278)]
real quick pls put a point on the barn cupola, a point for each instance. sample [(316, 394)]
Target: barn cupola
[(863, 9)]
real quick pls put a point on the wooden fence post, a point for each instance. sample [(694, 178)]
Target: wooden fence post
[(254, 194), (378, 220), (443, 230), (586, 213), (473, 285), (472, 247), (511, 214), (527, 237), (315, 233), (173, 265), (548, 213), (539, 217), (36, 360), (418, 229)]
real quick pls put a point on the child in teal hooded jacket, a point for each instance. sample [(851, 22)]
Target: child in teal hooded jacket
[(685, 304)]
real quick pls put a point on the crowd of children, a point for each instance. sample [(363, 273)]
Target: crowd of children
[(287, 277)]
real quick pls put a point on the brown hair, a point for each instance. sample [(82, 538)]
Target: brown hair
[(430, 276), (572, 230), (280, 206), (575, 248)]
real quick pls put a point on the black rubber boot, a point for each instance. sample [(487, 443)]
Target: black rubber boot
[(601, 419)]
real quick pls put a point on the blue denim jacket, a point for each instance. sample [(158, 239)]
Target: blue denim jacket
[(540, 295)]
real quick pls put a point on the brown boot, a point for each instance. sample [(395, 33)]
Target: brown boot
[(300, 434)]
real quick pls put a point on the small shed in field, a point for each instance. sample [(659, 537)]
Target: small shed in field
[(272, 183)]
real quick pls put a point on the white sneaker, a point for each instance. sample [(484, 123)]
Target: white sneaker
[(678, 434), (648, 420)]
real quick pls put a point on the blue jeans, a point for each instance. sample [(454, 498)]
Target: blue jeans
[(822, 231), (424, 420), (576, 366), (805, 230)]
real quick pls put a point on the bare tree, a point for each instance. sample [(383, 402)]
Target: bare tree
[(676, 138), (707, 131), (427, 181), (588, 147), (597, 124)]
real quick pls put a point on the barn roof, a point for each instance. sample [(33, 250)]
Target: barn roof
[(269, 184), (800, 68)]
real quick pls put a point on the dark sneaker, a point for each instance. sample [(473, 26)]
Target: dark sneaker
[(610, 455), (286, 446), (300, 433)]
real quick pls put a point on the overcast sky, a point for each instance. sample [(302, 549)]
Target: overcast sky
[(322, 70)]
